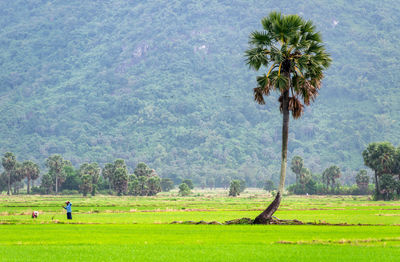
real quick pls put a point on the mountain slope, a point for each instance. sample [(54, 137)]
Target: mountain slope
[(166, 83)]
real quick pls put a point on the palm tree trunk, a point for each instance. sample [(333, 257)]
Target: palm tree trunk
[(266, 215), (28, 188), (377, 189), (9, 184), (56, 184)]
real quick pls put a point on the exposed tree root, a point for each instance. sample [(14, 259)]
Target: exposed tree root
[(266, 216)]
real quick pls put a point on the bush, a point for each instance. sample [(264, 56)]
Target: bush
[(189, 183), (184, 190), (234, 189)]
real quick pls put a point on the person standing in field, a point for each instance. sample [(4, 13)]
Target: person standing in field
[(69, 209)]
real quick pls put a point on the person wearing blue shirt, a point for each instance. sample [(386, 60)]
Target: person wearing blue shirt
[(69, 209)]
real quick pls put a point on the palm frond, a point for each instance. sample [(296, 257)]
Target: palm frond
[(256, 57), (296, 107), (258, 96), (258, 38)]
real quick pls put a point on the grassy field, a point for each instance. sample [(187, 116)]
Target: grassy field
[(106, 228)]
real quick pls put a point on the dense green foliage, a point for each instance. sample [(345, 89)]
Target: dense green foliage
[(165, 83), (234, 188), (384, 159), (184, 189)]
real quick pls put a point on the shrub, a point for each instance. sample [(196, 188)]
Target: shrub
[(189, 183), (234, 188), (184, 189)]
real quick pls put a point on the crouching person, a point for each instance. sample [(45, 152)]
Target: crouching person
[(35, 214), (69, 209)]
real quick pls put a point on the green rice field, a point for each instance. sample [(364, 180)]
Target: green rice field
[(110, 228)]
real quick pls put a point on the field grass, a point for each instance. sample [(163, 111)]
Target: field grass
[(106, 228)]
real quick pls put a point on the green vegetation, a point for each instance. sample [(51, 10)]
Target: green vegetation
[(124, 228), (384, 159), (184, 189), (164, 83), (292, 49)]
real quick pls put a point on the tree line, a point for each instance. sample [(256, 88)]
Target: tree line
[(89, 178), (327, 182), (382, 157)]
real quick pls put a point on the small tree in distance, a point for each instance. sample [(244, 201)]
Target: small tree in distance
[(184, 189), (234, 188), (188, 182)]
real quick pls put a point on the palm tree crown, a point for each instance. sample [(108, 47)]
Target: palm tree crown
[(292, 52)]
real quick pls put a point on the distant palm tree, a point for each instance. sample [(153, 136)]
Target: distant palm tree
[(30, 171), (291, 52)]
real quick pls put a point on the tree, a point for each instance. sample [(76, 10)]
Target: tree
[(362, 181), (167, 184), (47, 183), (86, 184), (9, 163), (380, 157), (142, 170), (30, 171), (120, 181), (184, 189), (388, 186), (330, 175), (93, 171), (234, 188), (188, 182), (304, 177), (145, 182), (72, 178), (154, 185), (108, 173), (55, 164), (3, 182), (296, 58), (296, 166), (17, 175)]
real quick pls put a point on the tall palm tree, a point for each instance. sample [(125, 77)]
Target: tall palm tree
[(30, 171), (9, 163), (294, 58)]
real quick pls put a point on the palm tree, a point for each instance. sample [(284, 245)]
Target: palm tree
[(291, 52), (9, 163), (297, 166), (56, 164), (30, 171), (330, 175), (380, 157)]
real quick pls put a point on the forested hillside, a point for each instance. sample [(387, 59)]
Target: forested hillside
[(165, 82)]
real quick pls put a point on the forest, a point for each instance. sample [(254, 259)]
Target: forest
[(165, 83)]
